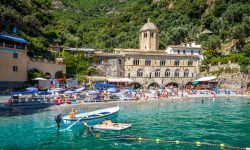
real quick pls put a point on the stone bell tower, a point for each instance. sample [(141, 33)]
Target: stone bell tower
[(148, 37)]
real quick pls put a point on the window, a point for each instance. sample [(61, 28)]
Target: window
[(192, 52), (15, 68), (136, 62), (139, 73), (199, 52), (167, 73), (145, 35), (157, 73), (184, 51), (177, 73), (152, 35), (176, 63), (147, 62), (162, 62), (178, 51), (128, 58), (190, 63), (15, 55), (128, 75), (186, 72), (120, 61), (100, 61)]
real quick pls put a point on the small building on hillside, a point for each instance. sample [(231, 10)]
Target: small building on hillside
[(86, 52), (189, 48)]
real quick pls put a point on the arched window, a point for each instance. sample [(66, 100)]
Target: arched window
[(186, 72), (178, 51), (152, 34), (184, 51), (192, 52), (157, 73), (177, 73), (136, 62), (176, 63), (128, 75), (139, 73), (145, 35), (190, 62), (167, 73)]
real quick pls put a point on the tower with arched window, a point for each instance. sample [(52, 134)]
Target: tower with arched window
[(148, 37)]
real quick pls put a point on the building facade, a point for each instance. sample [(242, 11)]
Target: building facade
[(14, 63), (147, 65), (185, 49)]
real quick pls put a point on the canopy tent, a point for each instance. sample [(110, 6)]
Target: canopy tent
[(113, 80), (104, 85), (204, 79), (97, 79), (13, 39), (120, 80), (38, 78), (126, 80)]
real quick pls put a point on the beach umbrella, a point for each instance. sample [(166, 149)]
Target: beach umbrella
[(16, 93), (45, 93), (80, 89), (195, 82), (69, 92), (32, 89), (94, 92), (57, 90), (112, 90), (38, 78)]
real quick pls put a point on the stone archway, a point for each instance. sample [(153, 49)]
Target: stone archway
[(47, 75), (136, 85), (172, 85), (153, 85), (59, 74)]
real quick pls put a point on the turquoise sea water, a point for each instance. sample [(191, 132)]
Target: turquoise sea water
[(214, 122)]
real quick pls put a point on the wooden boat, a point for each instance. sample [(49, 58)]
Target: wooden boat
[(91, 118), (115, 126)]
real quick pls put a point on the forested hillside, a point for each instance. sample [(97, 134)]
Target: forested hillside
[(107, 24)]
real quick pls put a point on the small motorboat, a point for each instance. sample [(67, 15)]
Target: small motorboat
[(115, 126), (91, 118)]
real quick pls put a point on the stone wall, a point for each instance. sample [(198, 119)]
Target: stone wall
[(46, 66), (224, 66)]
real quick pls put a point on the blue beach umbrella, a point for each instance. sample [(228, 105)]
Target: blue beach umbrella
[(32, 89), (16, 93), (69, 92), (94, 92), (80, 89), (112, 90), (45, 93)]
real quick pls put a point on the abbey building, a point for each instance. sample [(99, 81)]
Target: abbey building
[(150, 66)]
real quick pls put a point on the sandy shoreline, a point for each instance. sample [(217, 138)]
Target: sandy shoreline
[(127, 102), (4, 99)]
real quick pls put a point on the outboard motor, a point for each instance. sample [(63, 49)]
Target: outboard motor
[(58, 119)]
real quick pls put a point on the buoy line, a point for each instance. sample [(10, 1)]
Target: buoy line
[(198, 143)]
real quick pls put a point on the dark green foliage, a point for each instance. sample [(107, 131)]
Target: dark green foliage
[(108, 24), (34, 73)]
